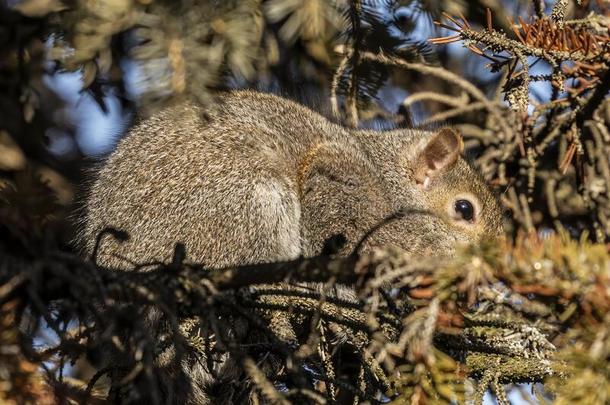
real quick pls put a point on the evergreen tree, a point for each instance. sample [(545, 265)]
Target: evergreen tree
[(531, 308)]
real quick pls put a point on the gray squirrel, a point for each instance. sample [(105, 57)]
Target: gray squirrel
[(265, 179)]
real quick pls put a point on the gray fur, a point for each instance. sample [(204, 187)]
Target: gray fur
[(229, 188)]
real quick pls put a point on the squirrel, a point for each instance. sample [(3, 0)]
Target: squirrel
[(265, 179)]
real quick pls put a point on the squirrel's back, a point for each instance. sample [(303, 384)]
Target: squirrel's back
[(177, 176)]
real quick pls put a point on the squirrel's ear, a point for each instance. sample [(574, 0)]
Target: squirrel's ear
[(439, 154)]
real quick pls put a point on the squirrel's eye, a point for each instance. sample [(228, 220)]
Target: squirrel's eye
[(464, 209)]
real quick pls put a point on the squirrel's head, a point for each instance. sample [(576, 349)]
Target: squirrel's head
[(349, 188), (452, 189)]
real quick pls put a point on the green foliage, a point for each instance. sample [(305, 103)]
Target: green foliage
[(583, 375)]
